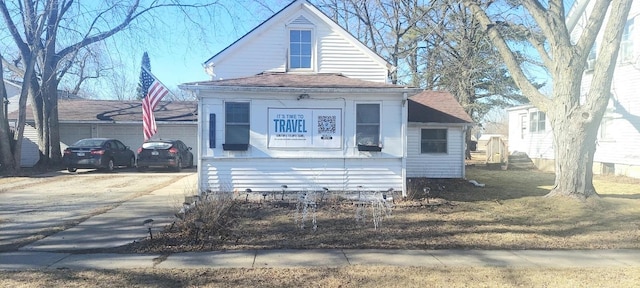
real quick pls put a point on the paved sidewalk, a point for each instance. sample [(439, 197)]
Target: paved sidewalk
[(23, 260)]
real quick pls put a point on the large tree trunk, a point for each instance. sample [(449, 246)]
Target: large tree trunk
[(6, 155), (575, 145)]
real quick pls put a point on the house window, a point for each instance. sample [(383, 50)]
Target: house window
[(606, 128), (591, 58), (300, 49), (367, 125), (434, 141), (236, 130), (537, 121), (626, 46)]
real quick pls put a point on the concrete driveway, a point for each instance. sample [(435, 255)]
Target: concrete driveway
[(34, 207)]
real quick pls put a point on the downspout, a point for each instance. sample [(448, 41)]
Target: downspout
[(405, 120), (464, 140)]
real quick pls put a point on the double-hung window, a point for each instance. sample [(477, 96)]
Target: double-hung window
[(537, 121), (237, 128), (433, 141), (368, 126), (300, 50), (626, 45)]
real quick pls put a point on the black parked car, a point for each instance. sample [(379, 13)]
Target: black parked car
[(164, 153), (100, 153)]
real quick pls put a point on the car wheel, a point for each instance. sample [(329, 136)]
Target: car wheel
[(178, 167), (132, 162), (110, 165), (70, 169)]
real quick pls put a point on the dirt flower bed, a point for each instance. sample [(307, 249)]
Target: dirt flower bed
[(508, 213)]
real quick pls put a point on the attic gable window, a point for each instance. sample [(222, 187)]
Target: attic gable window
[(300, 52)]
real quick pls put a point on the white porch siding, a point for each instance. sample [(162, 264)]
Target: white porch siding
[(267, 175), (435, 165)]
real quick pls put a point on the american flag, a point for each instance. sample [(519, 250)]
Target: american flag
[(152, 91)]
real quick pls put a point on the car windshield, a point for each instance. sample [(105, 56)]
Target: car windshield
[(156, 145), (89, 143)]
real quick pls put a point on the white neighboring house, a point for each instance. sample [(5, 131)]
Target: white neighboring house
[(298, 101), (619, 135), (29, 153)]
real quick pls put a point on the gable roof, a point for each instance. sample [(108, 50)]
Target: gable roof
[(284, 12), (310, 80), (119, 111), (436, 107)]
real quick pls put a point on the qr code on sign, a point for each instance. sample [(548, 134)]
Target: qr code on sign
[(326, 124)]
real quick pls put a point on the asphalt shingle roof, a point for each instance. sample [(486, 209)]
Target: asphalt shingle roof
[(119, 111), (436, 107), (312, 80)]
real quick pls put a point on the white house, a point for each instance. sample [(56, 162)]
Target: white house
[(298, 101), (619, 135)]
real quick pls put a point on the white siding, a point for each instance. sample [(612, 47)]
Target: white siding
[(535, 144), (435, 165), (266, 50), (263, 168), (267, 175), (30, 154), (619, 144)]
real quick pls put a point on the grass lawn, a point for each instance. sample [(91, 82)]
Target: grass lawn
[(510, 212)]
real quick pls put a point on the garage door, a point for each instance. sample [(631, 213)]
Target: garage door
[(131, 134), (70, 133)]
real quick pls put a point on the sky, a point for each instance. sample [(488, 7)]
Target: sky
[(178, 48)]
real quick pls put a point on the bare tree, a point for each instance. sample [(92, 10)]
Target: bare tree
[(49, 35), (574, 122), (386, 27), (7, 161), (88, 65)]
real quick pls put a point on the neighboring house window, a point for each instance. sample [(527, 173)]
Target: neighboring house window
[(236, 130), (434, 141), (606, 128), (626, 46), (537, 121), (368, 124), (591, 58), (300, 49)]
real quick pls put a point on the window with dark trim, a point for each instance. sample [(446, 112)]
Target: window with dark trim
[(537, 121), (368, 127), (433, 141), (236, 129), (300, 50)]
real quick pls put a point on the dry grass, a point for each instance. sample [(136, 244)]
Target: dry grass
[(510, 212), (353, 276)]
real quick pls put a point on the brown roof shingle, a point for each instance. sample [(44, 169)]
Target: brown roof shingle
[(311, 80), (119, 111), (436, 107)]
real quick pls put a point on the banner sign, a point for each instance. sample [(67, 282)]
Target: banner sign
[(305, 128)]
